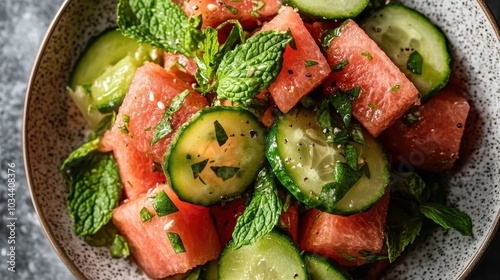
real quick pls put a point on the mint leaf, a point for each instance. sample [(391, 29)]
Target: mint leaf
[(251, 66), (310, 63), (165, 126), (410, 185), (198, 167), (145, 215), (225, 172), (160, 23), (119, 248), (345, 178), (213, 53), (103, 126), (403, 225), (176, 242), (103, 237), (448, 217), (220, 133), (415, 63), (94, 187), (262, 214), (163, 205)]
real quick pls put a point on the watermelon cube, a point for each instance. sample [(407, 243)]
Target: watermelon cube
[(357, 61), (144, 105), (304, 68), (250, 13), (137, 172), (149, 241), (342, 238), (432, 142)]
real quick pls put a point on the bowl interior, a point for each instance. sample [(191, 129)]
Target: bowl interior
[(53, 127)]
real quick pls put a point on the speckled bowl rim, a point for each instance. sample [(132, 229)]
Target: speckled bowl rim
[(45, 226)]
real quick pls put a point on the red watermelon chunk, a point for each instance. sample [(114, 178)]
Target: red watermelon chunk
[(225, 216), (250, 13), (150, 93), (386, 93), (137, 172), (432, 143), (296, 79), (181, 66), (342, 238), (149, 243)]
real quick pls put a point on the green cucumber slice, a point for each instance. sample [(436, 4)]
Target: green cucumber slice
[(330, 9), (321, 268), (303, 161), (414, 44), (106, 50), (274, 256), (216, 155)]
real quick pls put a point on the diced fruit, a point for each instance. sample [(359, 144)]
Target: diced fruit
[(304, 67), (250, 13), (289, 220), (181, 66), (414, 44), (348, 240), (137, 172), (357, 61), (433, 141), (149, 241), (225, 216), (150, 94)]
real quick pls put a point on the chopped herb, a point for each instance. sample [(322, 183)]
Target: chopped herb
[(373, 106), (126, 120), (225, 172), (257, 5), (415, 63), (232, 9), (367, 55), (119, 248), (412, 117), (176, 242), (146, 215), (340, 66), (310, 63), (396, 88), (255, 14), (164, 127), (147, 129), (198, 167), (163, 205), (220, 133)]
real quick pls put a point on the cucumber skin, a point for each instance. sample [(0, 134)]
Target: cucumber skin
[(272, 154), (178, 133), (277, 234), (424, 96), (336, 271), (310, 17)]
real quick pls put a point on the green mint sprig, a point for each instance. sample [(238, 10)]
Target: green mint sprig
[(262, 214), (160, 23)]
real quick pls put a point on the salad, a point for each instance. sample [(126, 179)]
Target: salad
[(244, 139)]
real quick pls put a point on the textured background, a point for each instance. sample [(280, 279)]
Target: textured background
[(23, 24)]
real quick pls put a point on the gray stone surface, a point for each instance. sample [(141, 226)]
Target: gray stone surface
[(22, 27)]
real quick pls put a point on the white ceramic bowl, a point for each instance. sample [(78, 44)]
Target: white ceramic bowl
[(53, 127)]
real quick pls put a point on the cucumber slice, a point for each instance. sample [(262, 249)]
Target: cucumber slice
[(330, 9), (106, 50), (109, 89), (274, 256), (303, 161), (414, 44), (216, 155), (321, 268)]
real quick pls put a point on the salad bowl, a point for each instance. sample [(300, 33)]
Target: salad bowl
[(53, 127)]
